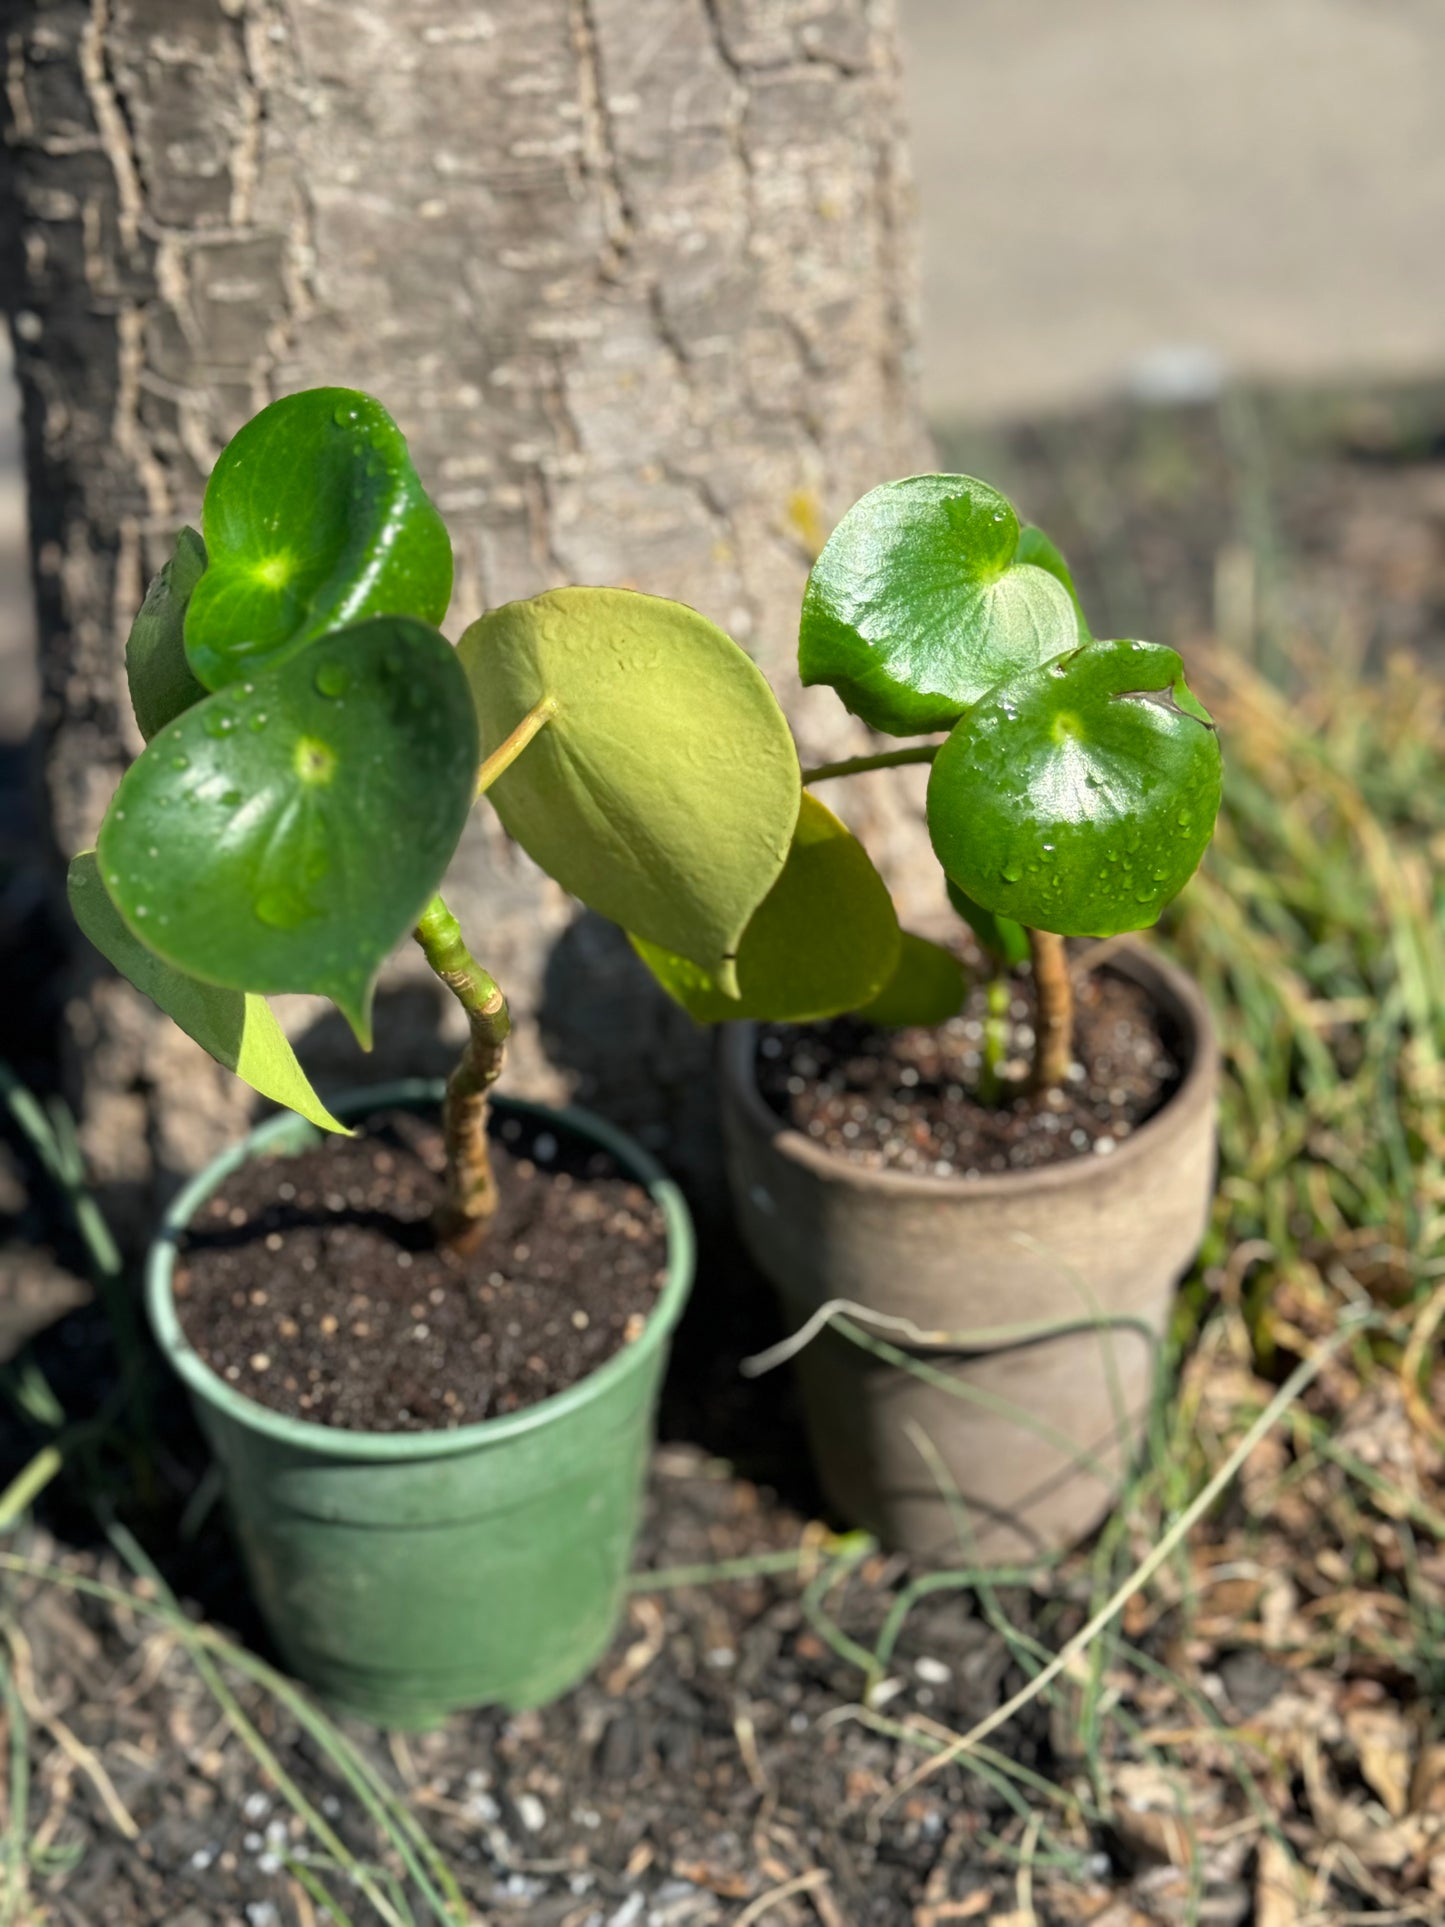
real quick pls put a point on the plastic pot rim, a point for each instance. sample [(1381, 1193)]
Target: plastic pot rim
[(331, 1441), (1183, 1000)]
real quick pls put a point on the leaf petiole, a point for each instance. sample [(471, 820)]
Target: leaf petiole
[(511, 747), (885, 759)]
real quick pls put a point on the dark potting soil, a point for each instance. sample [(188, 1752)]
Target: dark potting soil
[(907, 1100), (316, 1285)]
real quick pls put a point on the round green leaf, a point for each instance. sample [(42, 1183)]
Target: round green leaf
[(1004, 940), (160, 679), (314, 517), (285, 833), (237, 1027), (823, 940), (927, 987), (1081, 797), (664, 790), (920, 603), (1036, 548)]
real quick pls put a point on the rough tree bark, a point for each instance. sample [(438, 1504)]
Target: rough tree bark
[(635, 276)]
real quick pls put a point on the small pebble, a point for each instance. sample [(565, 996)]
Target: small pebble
[(531, 1812)]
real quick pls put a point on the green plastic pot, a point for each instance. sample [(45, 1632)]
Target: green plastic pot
[(406, 1575)]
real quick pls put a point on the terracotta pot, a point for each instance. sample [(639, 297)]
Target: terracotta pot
[(972, 1441)]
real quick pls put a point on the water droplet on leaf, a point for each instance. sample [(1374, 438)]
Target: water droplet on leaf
[(332, 679), (280, 908)]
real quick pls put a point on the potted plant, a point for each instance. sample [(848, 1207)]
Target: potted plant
[(980, 1254), (425, 1356)]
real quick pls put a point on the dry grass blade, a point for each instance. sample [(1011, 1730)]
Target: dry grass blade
[(764, 1904), (82, 1755), (1302, 1376)]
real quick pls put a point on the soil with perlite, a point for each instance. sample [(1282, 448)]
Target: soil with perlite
[(909, 1100), (317, 1285)]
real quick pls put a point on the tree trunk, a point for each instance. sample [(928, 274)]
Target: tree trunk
[(635, 277)]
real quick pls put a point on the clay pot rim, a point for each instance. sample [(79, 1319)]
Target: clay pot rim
[(1171, 988)]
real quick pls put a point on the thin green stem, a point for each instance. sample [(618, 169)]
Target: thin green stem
[(885, 759), (995, 1040), (511, 747), (471, 1183)]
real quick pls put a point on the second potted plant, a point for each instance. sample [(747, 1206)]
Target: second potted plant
[(976, 1221)]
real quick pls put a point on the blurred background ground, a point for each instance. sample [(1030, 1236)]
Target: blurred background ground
[(1203, 342)]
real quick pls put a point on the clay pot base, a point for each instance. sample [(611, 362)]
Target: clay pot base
[(315, 1284)]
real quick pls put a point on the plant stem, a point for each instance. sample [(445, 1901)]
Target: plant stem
[(995, 1040), (471, 1184), (511, 747), (885, 759), (1054, 1039)]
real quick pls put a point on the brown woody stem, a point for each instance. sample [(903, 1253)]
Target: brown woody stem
[(1054, 1029), (471, 1183)]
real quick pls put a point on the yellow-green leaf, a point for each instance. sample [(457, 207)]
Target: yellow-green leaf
[(237, 1027), (927, 987), (664, 790), (824, 940)]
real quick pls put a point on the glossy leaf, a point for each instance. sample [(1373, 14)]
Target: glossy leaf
[(314, 518), (238, 1028), (928, 986), (160, 679), (920, 603), (285, 833), (1001, 938), (1081, 797), (823, 940), (665, 788), (1035, 548)]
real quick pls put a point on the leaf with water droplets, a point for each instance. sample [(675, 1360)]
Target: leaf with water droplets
[(824, 940), (285, 833), (237, 1027), (160, 679), (664, 790), (314, 517), (1079, 798), (926, 595), (928, 986)]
